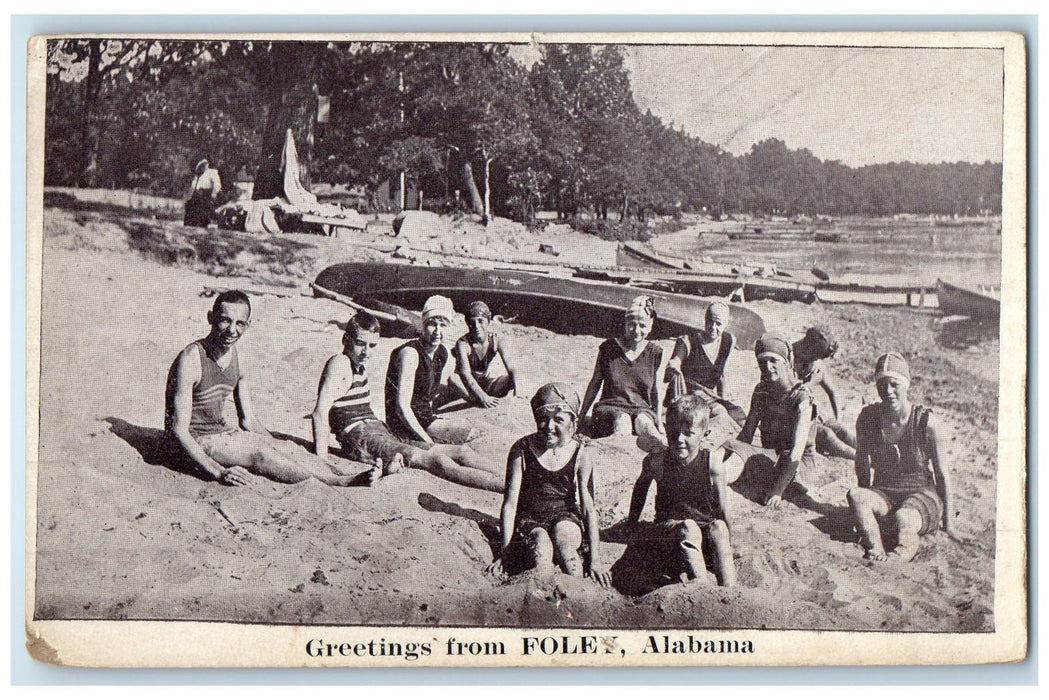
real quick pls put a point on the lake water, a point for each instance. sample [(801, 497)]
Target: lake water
[(892, 252)]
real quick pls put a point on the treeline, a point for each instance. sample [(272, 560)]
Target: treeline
[(469, 124)]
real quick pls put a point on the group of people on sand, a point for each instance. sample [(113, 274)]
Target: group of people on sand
[(696, 440)]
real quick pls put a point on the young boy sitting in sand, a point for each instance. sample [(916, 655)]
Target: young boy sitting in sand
[(783, 409), (832, 437), (698, 362), (547, 503), (415, 389), (626, 375), (475, 355), (691, 492), (200, 382), (899, 467), (344, 408)]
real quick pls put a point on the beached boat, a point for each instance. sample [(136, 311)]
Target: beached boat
[(561, 304), (955, 300)]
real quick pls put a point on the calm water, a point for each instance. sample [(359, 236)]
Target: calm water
[(893, 252)]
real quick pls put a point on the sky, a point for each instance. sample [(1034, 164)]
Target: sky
[(856, 105)]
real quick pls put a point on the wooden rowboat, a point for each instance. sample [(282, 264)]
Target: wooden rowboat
[(955, 300), (561, 304)]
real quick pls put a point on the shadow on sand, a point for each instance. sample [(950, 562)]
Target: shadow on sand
[(155, 446)]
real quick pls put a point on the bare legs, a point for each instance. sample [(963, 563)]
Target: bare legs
[(649, 437), (691, 535), (834, 440), (561, 547), (438, 460), (867, 506), (257, 453)]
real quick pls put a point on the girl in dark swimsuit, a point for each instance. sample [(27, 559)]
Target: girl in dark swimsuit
[(548, 502)]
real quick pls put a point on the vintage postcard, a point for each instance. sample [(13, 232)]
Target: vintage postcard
[(527, 350)]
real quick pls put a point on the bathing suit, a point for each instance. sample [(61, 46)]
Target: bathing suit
[(209, 395), (685, 491), (426, 393), (352, 409), (902, 474), (697, 367), (546, 497)]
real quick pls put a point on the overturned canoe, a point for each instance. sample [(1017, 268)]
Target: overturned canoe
[(954, 300), (561, 304)]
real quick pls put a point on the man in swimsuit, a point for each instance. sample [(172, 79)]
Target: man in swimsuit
[(200, 382), (415, 389), (475, 354), (899, 467), (344, 408)]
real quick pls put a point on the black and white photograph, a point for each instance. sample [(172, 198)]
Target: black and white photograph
[(543, 350)]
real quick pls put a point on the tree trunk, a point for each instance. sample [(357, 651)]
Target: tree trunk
[(626, 207), (487, 216), (471, 187), (88, 176), (290, 68)]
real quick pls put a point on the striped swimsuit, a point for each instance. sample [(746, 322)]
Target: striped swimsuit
[(209, 395), (354, 408)]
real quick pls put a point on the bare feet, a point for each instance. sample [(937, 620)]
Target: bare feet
[(395, 465), (875, 556), (902, 553)]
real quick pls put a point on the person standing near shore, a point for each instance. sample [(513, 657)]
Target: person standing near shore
[(204, 192), (900, 467)]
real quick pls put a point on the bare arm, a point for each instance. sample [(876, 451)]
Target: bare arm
[(405, 389), (462, 367), (242, 398), (187, 375), (592, 389), (641, 488), (750, 426), (511, 492), (657, 390), (720, 482), (506, 352), (939, 469), (593, 526), (863, 451), (335, 381), (789, 460), (832, 393)]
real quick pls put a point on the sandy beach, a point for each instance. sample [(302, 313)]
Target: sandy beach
[(123, 535)]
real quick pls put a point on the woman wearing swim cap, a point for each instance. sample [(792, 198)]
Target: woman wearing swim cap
[(783, 408), (626, 376)]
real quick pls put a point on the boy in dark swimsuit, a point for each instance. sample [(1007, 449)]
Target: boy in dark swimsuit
[(899, 467), (475, 354), (626, 376), (548, 503), (200, 382), (344, 408), (691, 493)]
